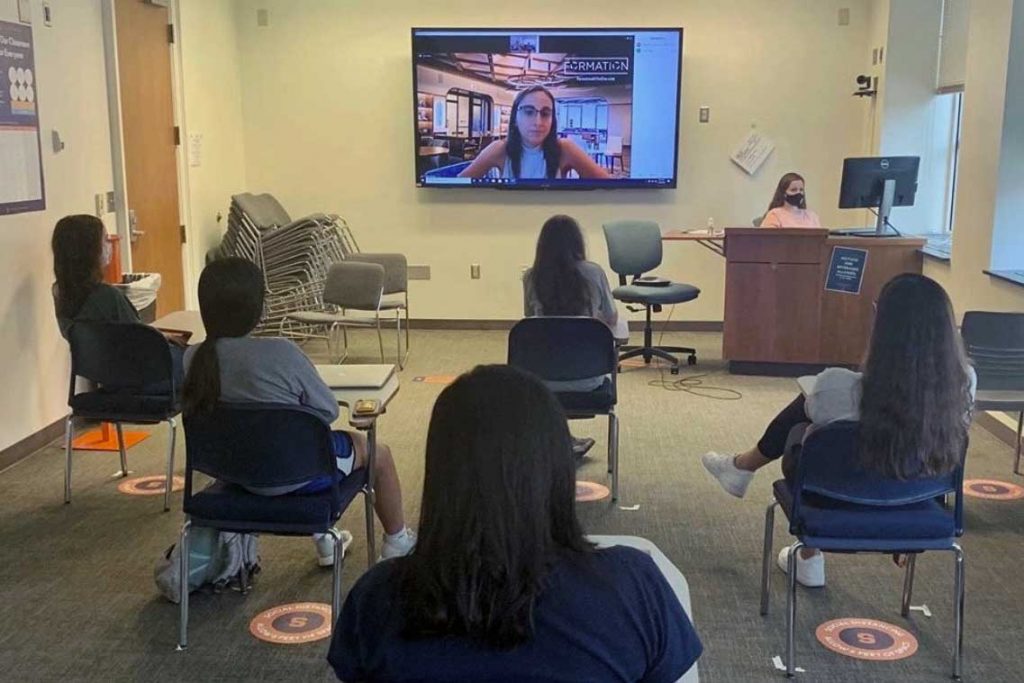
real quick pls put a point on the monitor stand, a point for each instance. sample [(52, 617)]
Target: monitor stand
[(885, 206)]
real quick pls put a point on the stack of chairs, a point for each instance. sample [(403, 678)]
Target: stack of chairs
[(294, 255)]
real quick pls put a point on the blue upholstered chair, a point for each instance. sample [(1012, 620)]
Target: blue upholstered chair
[(133, 373), (834, 505), (264, 445), (995, 343), (561, 349), (634, 248)]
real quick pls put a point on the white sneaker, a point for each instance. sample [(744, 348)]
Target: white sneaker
[(325, 547), (721, 466), (399, 545), (810, 572)]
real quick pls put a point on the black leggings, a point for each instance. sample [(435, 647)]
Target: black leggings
[(780, 434)]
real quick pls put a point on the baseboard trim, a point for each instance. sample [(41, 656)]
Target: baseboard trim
[(1005, 431), (634, 325), (30, 444)]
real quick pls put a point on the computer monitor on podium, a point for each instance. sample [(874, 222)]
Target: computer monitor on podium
[(878, 183)]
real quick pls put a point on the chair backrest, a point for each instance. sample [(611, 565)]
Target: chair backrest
[(829, 466), (123, 355), (757, 220), (351, 284), (396, 269), (634, 247), (257, 444), (562, 348), (995, 344), (614, 145)]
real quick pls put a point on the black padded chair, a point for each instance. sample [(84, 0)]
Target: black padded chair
[(634, 248), (560, 349), (133, 371), (266, 445), (995, 344)]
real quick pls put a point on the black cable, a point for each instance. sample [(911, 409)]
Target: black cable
[(692, 384), (887, 222)]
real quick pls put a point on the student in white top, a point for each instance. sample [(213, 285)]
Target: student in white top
[(913, 399), (788, 208), (533, 148)]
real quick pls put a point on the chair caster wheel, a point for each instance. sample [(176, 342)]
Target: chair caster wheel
[(674, 370), (692, 360)]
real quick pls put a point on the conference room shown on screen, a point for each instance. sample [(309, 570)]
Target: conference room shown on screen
[(541, 109)]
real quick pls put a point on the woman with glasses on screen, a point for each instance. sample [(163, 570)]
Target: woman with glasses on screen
[(533, 148), (788, 208)]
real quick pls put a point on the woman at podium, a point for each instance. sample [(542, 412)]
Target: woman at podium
[(788, 208)]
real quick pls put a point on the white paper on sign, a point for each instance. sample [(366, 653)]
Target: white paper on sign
[(752, 152)]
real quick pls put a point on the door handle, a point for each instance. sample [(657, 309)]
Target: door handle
[(133, 226)]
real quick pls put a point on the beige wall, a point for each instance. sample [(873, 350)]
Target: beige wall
[(327, 98), (981, 139), (71, 87), (212, 107)]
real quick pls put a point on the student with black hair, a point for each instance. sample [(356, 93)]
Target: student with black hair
[(231, 366), (563, 282), (503, 586)]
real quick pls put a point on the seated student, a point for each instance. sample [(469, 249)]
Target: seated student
[(913, 399), (233, 367), (80, 252), (502, 585), (563, 282), (788, 208)]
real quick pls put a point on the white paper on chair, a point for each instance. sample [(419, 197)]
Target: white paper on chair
[(752, 151)]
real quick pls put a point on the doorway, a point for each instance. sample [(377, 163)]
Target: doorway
[(150, 140)]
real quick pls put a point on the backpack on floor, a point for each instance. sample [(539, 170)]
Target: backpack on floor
[(215, 558)]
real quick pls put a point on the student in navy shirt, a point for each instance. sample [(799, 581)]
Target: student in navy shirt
[(502, 585)]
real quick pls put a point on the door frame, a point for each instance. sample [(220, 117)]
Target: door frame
[(189, 262)]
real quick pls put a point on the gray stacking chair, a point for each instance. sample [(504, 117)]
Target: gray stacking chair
[(634, 248), (351, 289), (396, 291), (995, 344)]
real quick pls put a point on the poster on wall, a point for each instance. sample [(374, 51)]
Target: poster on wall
[(21, 167)]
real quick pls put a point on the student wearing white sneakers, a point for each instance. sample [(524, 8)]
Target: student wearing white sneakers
[(913, 399), (232, 366)]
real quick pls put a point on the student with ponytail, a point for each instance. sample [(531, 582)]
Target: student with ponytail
[(231, 366)]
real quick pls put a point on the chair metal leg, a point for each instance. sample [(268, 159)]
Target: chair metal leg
[(380, 338), (407, 324), (613, 453), (371, 539), (121, 449), (69, 436), (1020, 427), (371, 493), (169, 482), (958, 619), (766, 564), (398, 339), (183, 587), (908, 585), (339, 566), (791, 609)]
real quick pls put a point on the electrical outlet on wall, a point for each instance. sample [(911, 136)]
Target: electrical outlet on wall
[(474, 271)]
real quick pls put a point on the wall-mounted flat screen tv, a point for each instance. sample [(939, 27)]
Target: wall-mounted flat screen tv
[(546, 108)]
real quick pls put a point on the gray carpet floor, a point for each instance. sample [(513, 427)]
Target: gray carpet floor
[(77, 599)]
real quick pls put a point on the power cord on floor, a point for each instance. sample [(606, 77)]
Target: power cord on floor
[(691, 384)]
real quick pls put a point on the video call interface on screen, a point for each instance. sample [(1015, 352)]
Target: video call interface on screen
[(484, 114)]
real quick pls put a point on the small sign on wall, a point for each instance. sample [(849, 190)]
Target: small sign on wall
[(752, 151), (846, 270)]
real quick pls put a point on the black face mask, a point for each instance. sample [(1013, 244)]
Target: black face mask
[(796, 200)]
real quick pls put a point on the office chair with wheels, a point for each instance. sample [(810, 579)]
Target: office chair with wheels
[(834, 505), (561, 349), (266, 445), (995, 345), (634, 248)]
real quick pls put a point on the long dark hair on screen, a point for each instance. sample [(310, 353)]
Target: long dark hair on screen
[(779, 198), (231, 294), (77, 245), (556, 278), (915, 405), (498, 510), (550, 147)]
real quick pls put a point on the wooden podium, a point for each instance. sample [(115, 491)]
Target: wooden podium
[(780, 319)]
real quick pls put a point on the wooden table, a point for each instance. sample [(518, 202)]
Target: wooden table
[(433, 151), (714, 242)]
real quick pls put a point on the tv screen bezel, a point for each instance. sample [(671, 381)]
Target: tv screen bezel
[(553, 184)]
